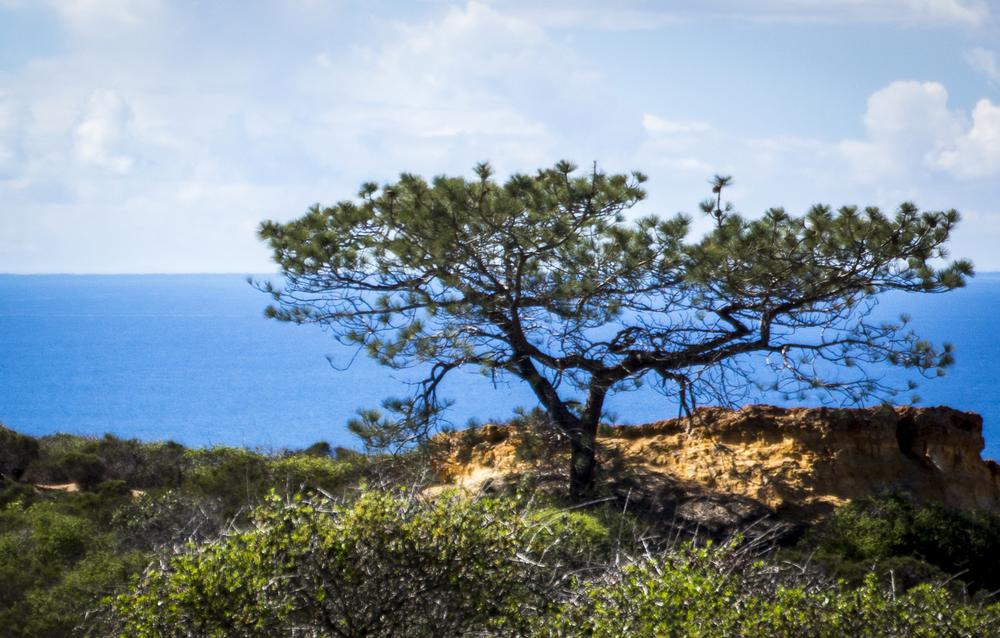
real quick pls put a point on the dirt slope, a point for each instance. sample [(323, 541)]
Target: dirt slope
[(725, 467)]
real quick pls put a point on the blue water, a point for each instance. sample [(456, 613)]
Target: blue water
[(191, 358)]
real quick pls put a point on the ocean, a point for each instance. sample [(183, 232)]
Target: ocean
[(191, 358)]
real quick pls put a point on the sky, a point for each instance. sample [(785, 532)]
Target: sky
[(147, 136)]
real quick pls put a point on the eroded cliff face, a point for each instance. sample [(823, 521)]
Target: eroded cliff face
[(730, 466)]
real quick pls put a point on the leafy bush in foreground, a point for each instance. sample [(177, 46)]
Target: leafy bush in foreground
[(696, 593), (678, 598), (381, 566), (450, 566), (916, 542), (54, 567), (61, 552), (385, 564)]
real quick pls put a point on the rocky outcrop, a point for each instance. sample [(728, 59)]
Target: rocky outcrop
[(810, 459), (724, 467)]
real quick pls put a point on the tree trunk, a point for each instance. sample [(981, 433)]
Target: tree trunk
[(582, 430), (583, 461), (583, 442)]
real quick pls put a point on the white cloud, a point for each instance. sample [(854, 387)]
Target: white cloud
[(600, 16), (228, 131), (911, 128), (658, 126), (689, 164), (914, 147), (678, 140), (970, 12), (984, 61), (902, 109), (908, 123), (626, 16), (475, 83), (101, 135), (935, 13), (8, 136), (976, 153), (218, 121), (96, 15)]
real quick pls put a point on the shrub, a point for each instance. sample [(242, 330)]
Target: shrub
[(13, 492), (320, 448), (53, 568), (918, 542), (112, 489), (698, 592), (540, 439), (569, 537), (237, 478), (381, 566), (82, 468), (165, 518), (142, 465), (63, 607), (16, 453), (300, 471)]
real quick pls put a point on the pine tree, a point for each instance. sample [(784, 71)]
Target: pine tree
[(542, 279)]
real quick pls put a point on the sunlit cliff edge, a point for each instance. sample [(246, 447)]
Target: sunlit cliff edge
[(723, 468)]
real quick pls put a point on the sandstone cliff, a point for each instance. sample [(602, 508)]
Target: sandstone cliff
[(725, 467)]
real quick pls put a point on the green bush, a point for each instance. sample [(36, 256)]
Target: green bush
[(14, 492), (62, 608), (141, 465), (16, 453), (83, 468), (570, 538), (381, 566), (54, 567), (165, 518), (319, 448), (917, 542), (237, 478), (699, 592), (304, 471)]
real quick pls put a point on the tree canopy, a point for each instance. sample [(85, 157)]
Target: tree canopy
[(542, 278)]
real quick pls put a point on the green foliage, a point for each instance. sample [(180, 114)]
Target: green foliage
[(697, 592), (570, 537), (62, 608), (235, 476), (386, 564), (63, 457), (917, 542), (539, 437), (86, 470), (305, 471), (380, 566), (239, 479), (165, 518), (320, 448), (17, 451), (139, 464), (60, 552), (14, 492), (54, 568)]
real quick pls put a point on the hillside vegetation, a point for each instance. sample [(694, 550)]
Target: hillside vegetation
[(162, 540)]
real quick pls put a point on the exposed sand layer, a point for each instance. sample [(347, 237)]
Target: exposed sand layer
[(732, 465)]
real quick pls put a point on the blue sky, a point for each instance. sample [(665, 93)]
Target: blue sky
[(153, 136)]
